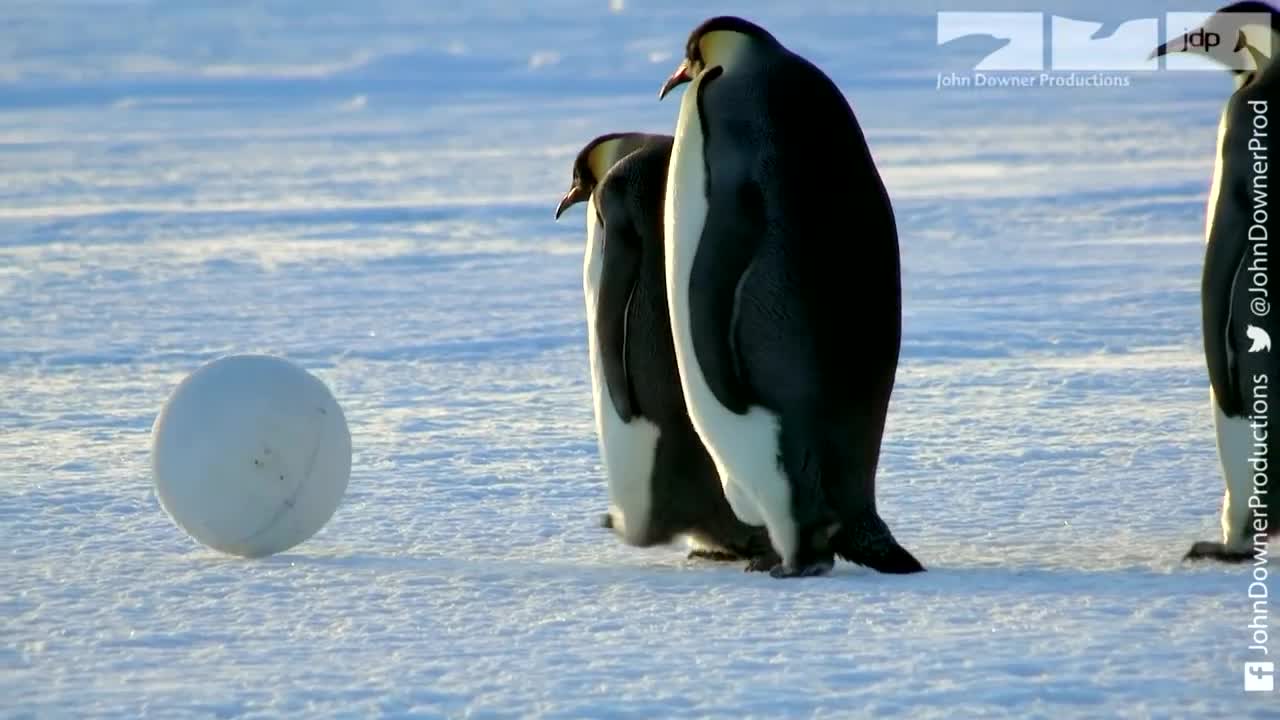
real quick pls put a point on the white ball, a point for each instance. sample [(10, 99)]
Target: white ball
[(251, 455)]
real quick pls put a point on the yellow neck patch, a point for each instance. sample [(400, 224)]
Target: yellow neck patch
[(722, 47), (603, 156)]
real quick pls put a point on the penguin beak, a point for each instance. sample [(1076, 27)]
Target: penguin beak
[(679, 77), (575, 195)]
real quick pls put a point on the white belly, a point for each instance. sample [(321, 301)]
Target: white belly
[(1235, 446), (744, 447), (626, 449), (1215, 187)]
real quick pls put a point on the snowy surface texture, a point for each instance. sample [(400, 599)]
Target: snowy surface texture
[(367, 188)]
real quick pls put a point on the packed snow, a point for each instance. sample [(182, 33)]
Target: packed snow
[(367, 189)]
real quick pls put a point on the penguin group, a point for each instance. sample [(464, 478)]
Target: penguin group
[(743, 346)]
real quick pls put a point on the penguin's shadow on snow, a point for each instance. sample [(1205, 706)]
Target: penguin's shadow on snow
[(680, 575), (1134, 583)]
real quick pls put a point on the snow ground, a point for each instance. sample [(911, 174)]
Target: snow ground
[(368, 190)]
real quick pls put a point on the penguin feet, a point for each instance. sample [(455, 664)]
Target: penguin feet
[(713, 554), (763, 563), (812, 559), (817, 569), (1206, 550)]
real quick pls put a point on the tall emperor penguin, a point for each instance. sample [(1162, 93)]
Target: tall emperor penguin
[(1235, 297), (783, 286)]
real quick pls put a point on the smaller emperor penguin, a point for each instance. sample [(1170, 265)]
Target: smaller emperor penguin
[(1237, 302), (784, 289), (662, 482)]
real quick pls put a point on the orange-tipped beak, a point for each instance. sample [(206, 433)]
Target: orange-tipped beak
[(576, 194), (679, 77)]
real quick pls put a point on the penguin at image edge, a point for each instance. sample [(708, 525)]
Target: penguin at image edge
[(1244, 374)]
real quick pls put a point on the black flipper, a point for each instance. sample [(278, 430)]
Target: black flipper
[(735, 224), (619, 273), (765, 562)]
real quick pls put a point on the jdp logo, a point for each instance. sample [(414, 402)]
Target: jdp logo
[(1231, 39), (1258, 677)]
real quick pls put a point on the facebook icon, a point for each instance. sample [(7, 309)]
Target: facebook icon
[(1258, 677)]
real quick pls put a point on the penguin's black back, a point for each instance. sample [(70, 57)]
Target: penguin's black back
[(631, 197)]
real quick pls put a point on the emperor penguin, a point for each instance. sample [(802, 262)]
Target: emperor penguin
[(783, 285), (662, 482), (1235, 299)]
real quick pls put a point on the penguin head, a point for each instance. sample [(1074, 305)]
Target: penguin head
[(716, 42), (1252, 27), (593, 161)]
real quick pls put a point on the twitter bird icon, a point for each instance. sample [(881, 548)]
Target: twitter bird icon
[(1261, 340)]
